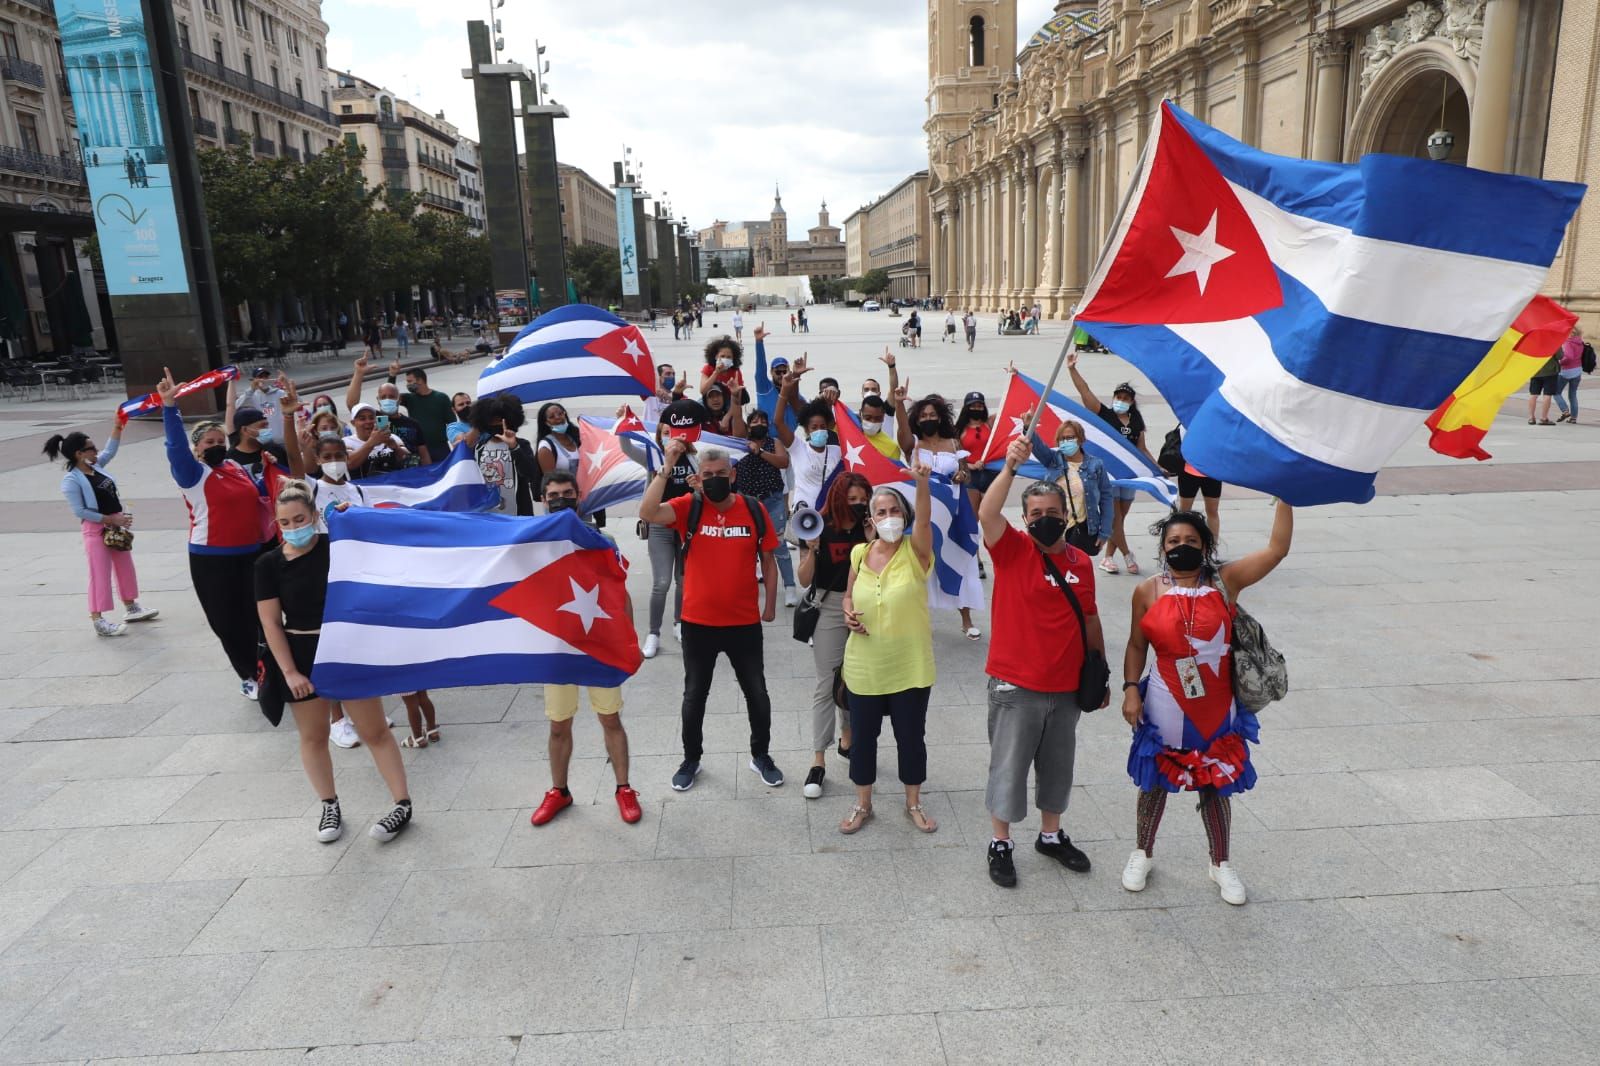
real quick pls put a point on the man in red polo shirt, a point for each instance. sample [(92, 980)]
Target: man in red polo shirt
[(1035, 656), (722, 606)]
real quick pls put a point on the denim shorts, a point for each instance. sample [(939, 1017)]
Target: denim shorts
[(1124, 493)]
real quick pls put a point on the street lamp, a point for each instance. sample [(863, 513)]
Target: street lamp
[(1441, 142)]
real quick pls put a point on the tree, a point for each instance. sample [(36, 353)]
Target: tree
[(597, 272), (873, 282), (715, 269)]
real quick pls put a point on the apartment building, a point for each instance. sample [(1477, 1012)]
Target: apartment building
[(407, 148), (588, 208), (469, 181)]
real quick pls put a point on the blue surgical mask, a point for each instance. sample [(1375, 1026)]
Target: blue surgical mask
[(1121, 406), (818, 438), (559, 427), (668, 381), (300, 537), (388, 407), (1068, 447), (265, 436)]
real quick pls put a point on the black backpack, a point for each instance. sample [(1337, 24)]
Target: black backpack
[(697, 505), (1588, 358), (1170, 458)]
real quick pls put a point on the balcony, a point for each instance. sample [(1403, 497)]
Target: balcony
[(435, 200), (261, 90), (236, 137), (47, 6), (13, 68), (395, 159), (439, 166), (23, 161), (291, 152), (265, 147), (205, 127)]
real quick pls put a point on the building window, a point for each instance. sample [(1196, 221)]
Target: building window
[(319, 57), (266, 27), (255, 122), (283, 136), (299, 89), (183, 35), (240, 19), (977, 41), (351, 143), (274, 71), (227, 116), (194, 105), (28, 131), (8, 39), (216, 52), (249, 67), (346, 109), (324, 99), (292, 39), (305, 143)]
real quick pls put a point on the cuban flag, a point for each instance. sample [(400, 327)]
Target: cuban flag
[(1304, 318), (140, 405), (455, 483), (575, 350), (430, 599), (1126, 464), (620, 455), (955, 524)]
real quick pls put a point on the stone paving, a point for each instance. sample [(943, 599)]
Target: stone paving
[(1422, 850)]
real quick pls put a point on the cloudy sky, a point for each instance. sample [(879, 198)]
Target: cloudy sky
[(720, 98)]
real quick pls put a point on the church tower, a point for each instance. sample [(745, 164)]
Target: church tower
[(972, 49), (778, 237)]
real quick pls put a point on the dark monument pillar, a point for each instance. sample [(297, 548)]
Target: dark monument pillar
[(641, 235), (497, 152), (666, 249), (689, 266), (544, 199)]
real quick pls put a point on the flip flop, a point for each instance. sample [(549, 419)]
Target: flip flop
[(414, 742), (858, 817), (912, 813)]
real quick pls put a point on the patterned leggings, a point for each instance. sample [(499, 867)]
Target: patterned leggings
[(1216, 814)]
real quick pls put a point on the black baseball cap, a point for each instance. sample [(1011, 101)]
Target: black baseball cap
[(261, 372), (247, 416), (974, 397), (683, 419)]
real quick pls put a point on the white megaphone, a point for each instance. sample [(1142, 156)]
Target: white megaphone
[(805, 523)]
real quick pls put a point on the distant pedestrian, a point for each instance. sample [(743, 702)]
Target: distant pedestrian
[(1570, 359), (969, 322), (738, 326), (949, 327), (402, 336)]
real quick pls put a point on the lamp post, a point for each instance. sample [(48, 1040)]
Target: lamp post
[(1441, 142)]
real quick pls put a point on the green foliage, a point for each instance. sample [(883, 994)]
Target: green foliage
[(715, 269), (873, 282), (596, 270)]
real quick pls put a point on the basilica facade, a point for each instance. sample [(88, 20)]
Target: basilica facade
[(1032, 153)]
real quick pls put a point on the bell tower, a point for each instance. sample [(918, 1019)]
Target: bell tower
[(972, 48), (779, 236)]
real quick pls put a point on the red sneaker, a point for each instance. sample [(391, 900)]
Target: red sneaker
[(628, 804), (553, 804)]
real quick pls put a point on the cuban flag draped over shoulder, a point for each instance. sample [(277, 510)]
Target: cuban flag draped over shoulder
[(1303, 318), (455, 483), (955, 524), (1126, 465), (430, 599), (619, 455), (574, 350)]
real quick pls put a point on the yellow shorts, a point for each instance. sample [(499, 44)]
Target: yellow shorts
[(561, 701)]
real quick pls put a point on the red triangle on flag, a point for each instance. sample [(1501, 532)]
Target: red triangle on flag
[(1188, 251), (582, 599), (858, 455), (601, 453), (1015, 411), (629, 422), (625, 347)]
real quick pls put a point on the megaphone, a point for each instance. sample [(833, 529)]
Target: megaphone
[(805, 523)]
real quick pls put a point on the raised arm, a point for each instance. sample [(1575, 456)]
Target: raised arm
[(651, 507), (763, 379), (186, 469), (113, 443), (229, 403), (1085, 393), (991, 508), (922, 528), (1242, 573), (902, 420), (358, 373)]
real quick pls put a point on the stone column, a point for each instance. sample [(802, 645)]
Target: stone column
[(936, 254), (1331, 51), (1073, 237), (1491, 100)]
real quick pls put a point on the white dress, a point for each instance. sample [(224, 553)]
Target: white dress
[(971, 594)]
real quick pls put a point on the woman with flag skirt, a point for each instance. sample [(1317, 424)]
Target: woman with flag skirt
[(1122, 415), (1189, 732), (229, 518), (927, 434), (291, 588)]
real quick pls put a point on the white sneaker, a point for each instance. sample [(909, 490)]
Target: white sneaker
[(1137, 871), (788, 596), (134, 612), (652, 645), (343, 733), (107, 628), (1230, 883), (249, 691)]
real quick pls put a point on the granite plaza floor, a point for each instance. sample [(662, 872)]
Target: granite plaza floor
[(1422, 850)]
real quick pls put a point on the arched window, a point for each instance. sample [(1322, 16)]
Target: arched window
[(977, 41)]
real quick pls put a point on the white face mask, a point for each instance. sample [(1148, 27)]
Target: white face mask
[(872, 429), (891, 529), (335, 471), (724, 363)]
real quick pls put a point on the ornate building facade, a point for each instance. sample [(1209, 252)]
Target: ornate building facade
[(1031, 154), (891, 234), (820, 255)]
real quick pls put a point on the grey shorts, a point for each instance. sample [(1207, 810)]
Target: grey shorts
[(1030, 729)]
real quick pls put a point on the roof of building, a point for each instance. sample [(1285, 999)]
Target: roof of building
[(1069, 25)]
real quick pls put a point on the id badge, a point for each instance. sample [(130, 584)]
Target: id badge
[(1189, 679)]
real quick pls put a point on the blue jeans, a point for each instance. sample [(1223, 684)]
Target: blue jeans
[(778, 510), (1568, 404)]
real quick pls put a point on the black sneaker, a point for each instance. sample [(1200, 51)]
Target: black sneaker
[(683, 780), (813, 785), (1064, 853), (389, 826), (768, 770), (331, 826), (1002, 871)]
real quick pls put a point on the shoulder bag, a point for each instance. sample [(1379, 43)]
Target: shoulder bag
[(1094, 679)]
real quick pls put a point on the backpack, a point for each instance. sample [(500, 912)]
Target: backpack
[(1260, 675), (1170, 458), (1588, 358), (697, 505)]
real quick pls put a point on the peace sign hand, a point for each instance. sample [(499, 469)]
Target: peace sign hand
[(167, 389)]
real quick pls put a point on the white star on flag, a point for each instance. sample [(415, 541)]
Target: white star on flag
[(1201, 252), (585, 604), (630, 347), (597, 459), (852, 456), (1210, 651), (1017, 422)]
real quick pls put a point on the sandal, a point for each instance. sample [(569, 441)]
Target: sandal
[(973, 632), (1546, 422), (920, 819), (433, 735), (1108, 566), (1533, 422), (1130, 564), (414, 742), (858, 817), (844, 752)]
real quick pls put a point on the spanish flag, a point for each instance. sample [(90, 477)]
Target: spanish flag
[(1460, 422)]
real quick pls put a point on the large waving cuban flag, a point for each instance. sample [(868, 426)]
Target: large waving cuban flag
[(455, 483), (575, 350), (619, 455), (429, 599), (1304, 318), (955, 524)]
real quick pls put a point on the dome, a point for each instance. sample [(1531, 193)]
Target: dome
[(1070, 26)]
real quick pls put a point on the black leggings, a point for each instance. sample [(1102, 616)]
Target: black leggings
[(225, 585), (907, 712)]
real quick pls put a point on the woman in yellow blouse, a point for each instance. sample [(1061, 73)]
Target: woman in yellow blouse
[(888, 658)]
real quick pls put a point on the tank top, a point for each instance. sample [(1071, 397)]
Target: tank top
[(106, 500)]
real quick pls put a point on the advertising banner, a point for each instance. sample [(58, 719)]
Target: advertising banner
[(627, 246), (124, 152)]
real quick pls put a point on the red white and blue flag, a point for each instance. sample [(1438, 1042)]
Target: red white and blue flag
[(430, 599), (455, 483), (575, 350), (140, 405), (620, 454), (1304, 318)]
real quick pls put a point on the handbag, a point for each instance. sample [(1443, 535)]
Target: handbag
[(117, 538), (1260, 676), (806, 614), (1094, 678), (1170, 457)]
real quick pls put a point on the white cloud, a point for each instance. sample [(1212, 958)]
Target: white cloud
[(720, 99)]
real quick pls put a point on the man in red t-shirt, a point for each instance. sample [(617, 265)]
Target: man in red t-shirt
[(722, 607), (1035, 656)]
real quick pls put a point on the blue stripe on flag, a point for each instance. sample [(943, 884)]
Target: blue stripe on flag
[(443, 529), (347, 681), (566, 313), (618, 384), (385, 605), (1231, 448), (1125, 464)]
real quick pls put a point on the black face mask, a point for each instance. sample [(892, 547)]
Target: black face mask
[(214, 456), (928, 427), (563, 503), (860, 511), (1185, 558), (1047, 529), (978, 414), (717, 488), (758, 432)]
